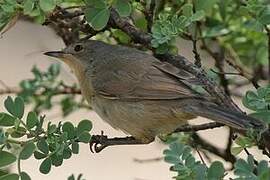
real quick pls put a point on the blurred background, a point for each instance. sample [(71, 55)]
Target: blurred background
[(20, 49)]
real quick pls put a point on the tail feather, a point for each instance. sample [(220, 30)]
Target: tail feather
[(234, 119)]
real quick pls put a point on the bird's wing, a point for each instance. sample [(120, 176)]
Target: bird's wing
[(141, 76)]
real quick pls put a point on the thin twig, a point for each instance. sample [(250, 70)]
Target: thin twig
[(198, 141), (200, 156), (196, 54), (150, 160), (16, 90), (248, 153), (234, 61)]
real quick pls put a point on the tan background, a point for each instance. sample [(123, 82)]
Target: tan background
[(20, 49)]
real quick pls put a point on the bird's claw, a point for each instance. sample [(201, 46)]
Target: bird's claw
[(98, 143)]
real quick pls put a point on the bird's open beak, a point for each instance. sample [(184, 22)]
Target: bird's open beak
[(56, 54)]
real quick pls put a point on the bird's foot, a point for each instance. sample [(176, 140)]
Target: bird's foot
[(100, 142)]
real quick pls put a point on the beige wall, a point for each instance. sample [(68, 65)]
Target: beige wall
[(20, 49)]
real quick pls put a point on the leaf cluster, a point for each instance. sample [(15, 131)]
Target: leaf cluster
[(184, 163), (52, 144)]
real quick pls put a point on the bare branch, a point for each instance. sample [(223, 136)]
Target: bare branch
[(16, 90), (188, 128)]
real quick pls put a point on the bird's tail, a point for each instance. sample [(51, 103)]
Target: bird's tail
[(234, 119)]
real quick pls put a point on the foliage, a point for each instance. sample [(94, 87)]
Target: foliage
[(184, 163), (167, 27), (258, 101), (29, 135), (41, 90)]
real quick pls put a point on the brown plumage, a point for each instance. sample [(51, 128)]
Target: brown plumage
[(140, 95)]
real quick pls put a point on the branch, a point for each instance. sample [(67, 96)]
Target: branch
[(149, 14), (268, 35), (188, 128), (124, 24), (234, 61), (16, 90), (197, 140)]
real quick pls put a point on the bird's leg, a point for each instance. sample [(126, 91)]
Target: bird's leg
[(99, 142)]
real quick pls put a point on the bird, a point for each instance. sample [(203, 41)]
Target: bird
[(140, 95)]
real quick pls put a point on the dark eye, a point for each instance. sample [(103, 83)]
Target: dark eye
[(78, 48)]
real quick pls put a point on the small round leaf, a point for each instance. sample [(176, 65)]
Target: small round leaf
[(84, 137), (32, 120), (84, 125), (97, 18), (69, 128), (24, 176), (47, 5), (45, 166), (27, 151), (57, 160), (123, 7), (43, 146), (39, 155), (6, 120), (6, 158)]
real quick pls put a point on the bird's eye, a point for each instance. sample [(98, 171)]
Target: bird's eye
[(78, 48)]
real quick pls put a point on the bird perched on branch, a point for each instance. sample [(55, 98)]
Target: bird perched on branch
[(140, 95)]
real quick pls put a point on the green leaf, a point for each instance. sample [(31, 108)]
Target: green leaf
[(43, 146), (8, 8), (25, 176), (96, 3), (32, 120), (97, 18), (197, 16), (84, 137), (6, 120), (47, 5), (28, 6), (236, 150), (84, 125), (39, 155), (16, 108), (187, 9), (45, 166), (121, 36), (75, 148), (242, 168), (71, 177), (54, 69), (262, 115), (123, 7), (51, 128), (18, 132), (10, 177), (264, 16), (216, 170), (27, 151), (69, 128), (67, 153), (205, 5), (57, 160), (6, 158), (215, 31)]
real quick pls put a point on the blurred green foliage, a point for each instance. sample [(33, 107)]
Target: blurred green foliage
[(51, 143)]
